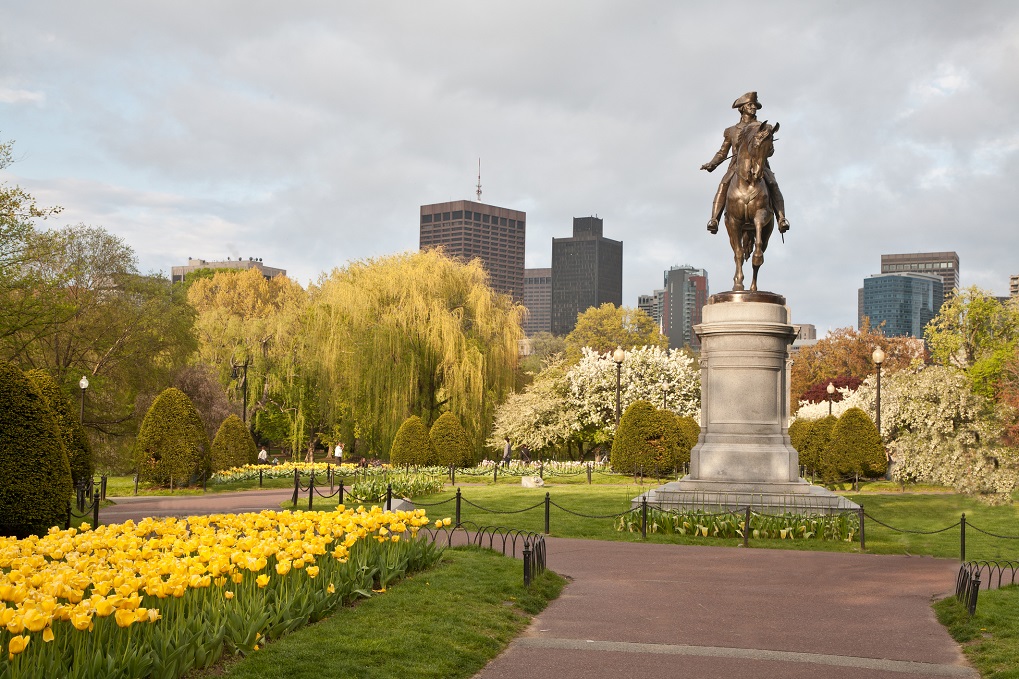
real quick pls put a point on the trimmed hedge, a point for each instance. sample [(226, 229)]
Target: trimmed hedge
[(815, 443), (36, 488), (172, 445), (412, 444), (450, 442), (233, 445), (856, 447), (798, 432), (76, 443), (648, 440)]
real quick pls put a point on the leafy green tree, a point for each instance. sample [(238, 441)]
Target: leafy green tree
[(798, 432), (233, 445), (172, 446), (76, 443), (412, 334), (691, 431), (36, 488), (978, 334), (855, 446), (412, 444), (648, 440), (449, 439), (606, 327)]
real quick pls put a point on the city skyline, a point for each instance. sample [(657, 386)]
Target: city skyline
[(312, 134)]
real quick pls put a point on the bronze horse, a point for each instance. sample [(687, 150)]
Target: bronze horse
[(749, 216)]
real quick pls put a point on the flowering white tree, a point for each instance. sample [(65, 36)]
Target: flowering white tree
[(937, 430), (579, 402)]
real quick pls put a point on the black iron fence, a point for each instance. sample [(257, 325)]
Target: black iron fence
[(513, 542), (991, 574), (87, 497)]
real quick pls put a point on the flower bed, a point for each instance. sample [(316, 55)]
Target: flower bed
[(162, 596)]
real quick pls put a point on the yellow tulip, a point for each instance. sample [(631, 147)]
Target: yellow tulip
[(446, 521), (331, 588), (228, 594), (283, 567), (312, 571), (262, 580), (104, 607), (47, 634), (17, 645), (238, 578), (81, 621), (124, 617)]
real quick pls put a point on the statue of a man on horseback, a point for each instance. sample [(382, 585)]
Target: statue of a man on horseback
[(748, 193)]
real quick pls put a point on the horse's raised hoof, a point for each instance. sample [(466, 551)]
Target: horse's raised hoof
[(713, 225)]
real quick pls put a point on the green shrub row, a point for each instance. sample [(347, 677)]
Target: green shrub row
[(649, 438), (447, 444), (840, 448)]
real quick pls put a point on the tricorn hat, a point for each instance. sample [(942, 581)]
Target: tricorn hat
[(748, 98)]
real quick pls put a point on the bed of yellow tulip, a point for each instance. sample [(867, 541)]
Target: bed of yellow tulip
[(162, 596)]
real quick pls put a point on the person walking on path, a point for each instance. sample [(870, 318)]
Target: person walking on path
[(339, 452), (507, 452), (263, 456)]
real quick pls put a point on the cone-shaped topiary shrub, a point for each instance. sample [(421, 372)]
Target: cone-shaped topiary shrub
[(647, 440), (450, 442), (172, 444), (815, 444), (76, 443), (233, 445), (412, 445), (35, 477), (855, 446), (798, 431), (691, 431)]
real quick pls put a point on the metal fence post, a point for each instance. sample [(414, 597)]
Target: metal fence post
[(541, 470), (136, 484), (340, 501), (746, 528), (863, 532), (332, 481), (962, 538), (527, 563), (389, 497), (452, 474), (95, 512), (643, 515), (458, 498), (311, 490), (102, 482), (589, 473), (259, 478), (297, 486), (974, 592), (495, 472), (548, 506)]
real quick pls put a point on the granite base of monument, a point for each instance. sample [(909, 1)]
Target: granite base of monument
[(743, 456)]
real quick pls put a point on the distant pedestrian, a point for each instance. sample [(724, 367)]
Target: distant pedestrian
[(263, 456), (339, 453), (525, 453), (507, 452)]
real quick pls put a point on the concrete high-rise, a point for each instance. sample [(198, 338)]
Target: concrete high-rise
[(904, 302), (686, 293), (653, 305), (587, 271), (944, 265), (467, 230), (538, 300), (1013, 286)]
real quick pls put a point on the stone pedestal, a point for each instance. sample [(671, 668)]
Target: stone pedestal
[(744, 455)]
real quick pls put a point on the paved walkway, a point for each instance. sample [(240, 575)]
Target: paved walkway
[(635, 609), (681, 611)]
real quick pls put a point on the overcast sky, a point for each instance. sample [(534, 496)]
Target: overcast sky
[(308, 134)]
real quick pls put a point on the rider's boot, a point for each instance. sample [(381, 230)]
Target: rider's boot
[(716, 211)]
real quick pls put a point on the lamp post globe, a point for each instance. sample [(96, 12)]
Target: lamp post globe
[(879, 358), (83, 384), (831, 392), (618, 356)]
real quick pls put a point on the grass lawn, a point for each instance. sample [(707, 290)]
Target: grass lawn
[(502, 505), (446, 622), (990, 638)]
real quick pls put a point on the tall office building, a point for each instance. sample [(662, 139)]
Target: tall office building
[(1013, 286), (904, 302), (653, 305), (944, 265), (686, 293), (177, 273), (467, 230), (538, 300), (587, 271)]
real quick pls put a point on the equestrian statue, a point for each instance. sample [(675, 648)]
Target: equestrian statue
[(748, 193)]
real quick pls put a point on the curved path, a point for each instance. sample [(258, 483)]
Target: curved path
[(634, 609)]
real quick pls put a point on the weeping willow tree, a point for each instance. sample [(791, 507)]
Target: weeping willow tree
[(412, 334)]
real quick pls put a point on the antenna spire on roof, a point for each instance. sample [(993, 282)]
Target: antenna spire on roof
[(479, 180)]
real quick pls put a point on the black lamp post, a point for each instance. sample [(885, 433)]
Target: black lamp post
[(83, 383), (831, 392), (618, 355), (879, 358)]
